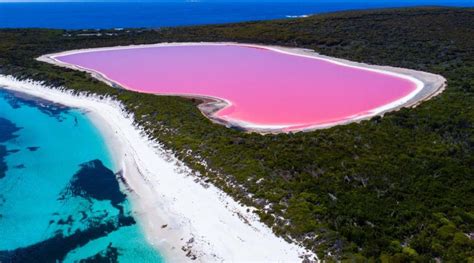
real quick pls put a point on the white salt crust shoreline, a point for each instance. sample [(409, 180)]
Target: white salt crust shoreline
[(428, 85), (180, 215)]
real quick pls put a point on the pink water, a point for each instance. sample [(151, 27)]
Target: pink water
[(265, 87)]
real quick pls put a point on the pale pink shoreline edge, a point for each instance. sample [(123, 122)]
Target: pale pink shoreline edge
[(422, 80)]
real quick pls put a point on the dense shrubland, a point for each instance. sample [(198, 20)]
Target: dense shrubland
[(397, 188)]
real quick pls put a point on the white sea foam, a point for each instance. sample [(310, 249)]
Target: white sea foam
[(296, 16)]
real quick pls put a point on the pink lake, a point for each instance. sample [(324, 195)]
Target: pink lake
[(265, 87)]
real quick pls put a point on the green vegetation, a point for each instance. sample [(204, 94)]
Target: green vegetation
[(393, 189)]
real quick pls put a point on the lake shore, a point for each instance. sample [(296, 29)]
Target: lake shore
[(185, 218), (428, 85)]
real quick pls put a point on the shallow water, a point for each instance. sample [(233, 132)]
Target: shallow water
[(265, 87), (59, 196)]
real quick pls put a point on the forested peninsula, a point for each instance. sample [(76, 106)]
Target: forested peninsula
[(395, 188)]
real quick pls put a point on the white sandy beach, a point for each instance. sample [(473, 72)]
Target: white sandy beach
[(181, 216), (427, 84)]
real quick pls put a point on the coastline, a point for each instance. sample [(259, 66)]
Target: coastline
[(428, 85), (183, 217)]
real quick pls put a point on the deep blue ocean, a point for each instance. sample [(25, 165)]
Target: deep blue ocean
[(60, 200), (102, 15)]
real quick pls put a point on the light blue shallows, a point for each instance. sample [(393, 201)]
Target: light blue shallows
[(36, 200)]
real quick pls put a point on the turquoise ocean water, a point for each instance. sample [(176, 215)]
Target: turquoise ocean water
[(60, 199)]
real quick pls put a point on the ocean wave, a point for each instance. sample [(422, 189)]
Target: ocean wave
[(300, 16)]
